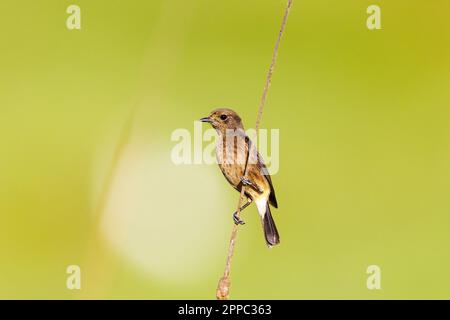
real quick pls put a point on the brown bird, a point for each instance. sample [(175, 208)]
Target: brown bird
[(235, 150)]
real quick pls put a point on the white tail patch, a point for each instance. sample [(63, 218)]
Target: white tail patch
[(261, 204)]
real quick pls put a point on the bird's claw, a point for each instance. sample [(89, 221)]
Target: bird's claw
[(246, 182), (249, 183), (237, 220)]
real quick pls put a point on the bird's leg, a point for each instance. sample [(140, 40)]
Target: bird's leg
[(250, 183), (236, 219)]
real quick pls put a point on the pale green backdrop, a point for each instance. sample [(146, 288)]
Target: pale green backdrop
[(86, 175)]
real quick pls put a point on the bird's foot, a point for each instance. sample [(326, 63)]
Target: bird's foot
[(250, 183), (237, 220)]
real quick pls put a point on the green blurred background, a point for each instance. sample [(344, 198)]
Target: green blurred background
[(87, 179)]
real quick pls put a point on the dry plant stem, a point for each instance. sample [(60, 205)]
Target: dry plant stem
[(223, 288)]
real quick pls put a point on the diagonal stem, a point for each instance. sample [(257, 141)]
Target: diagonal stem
[(223, 288)]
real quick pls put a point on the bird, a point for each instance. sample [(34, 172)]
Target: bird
[(235, 151)]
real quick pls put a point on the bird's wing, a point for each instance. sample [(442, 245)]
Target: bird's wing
[(265, 172), (263, 169)]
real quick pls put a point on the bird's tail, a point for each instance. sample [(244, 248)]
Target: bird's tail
[(270, 229)]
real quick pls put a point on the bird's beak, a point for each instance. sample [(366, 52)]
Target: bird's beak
[(206, 119)]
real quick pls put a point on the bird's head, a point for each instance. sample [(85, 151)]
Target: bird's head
[(224, 119)]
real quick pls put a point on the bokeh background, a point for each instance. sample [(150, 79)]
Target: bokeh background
[(86, 118)]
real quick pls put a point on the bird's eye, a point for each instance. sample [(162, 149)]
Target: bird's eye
[(223, 117)]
